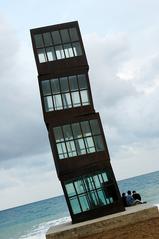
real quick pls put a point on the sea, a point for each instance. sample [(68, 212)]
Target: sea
[(32, 221)]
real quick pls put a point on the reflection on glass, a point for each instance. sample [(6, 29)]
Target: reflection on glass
[(66, 100), (98, 143), (62, 152), (57, 102), (95, 126), (71, 148), (41, 55), (68, 50), (65, 35), (89, 144), (73, 34), (48, 103), (46, 87), (80, 146), (73, 83), (76, 130), (64, 84), (67, 132), (56, 37), (84, 97), (59, 52), (85, 128), (84, 202), (58, 134), (50, 54), (55, 86), (82, 81), (79, 186), (47, 39), (76, 99), (38, 41), (75, 205), (70, 189), (77, 49)]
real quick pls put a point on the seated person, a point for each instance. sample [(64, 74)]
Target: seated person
[(136, 196), (129, 199), (124, 199)]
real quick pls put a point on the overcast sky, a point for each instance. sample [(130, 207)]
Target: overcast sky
[(121, 40)]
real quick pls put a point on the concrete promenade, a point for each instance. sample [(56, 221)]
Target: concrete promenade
[(141, 221)]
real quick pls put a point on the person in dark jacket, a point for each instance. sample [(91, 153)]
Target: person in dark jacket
[(136, 196), (124, 199)]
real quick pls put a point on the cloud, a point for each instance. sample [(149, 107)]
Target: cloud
[(125, 89), (22, 129)]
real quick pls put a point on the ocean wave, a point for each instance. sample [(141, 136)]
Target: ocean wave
[(38, 232)]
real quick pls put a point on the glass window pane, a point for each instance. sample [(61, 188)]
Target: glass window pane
[(64, 35), (95, 127), (73, 34), (89, 183), (75, 99), (82, 81), (67, 132), (76, 130), (55, 86), (77, 49), (59, 52), (100, 178), (105, 178), (46, 90), (80, 146), (66, 100), (98, 143), (50, 54), (62, 152), (101, 197), (73, 83), (84, 203), (71, 148), (64, 84), (75, 205), (80, 187), (56, 37), (93, 199), (38, 40), (48, 103), (85, 128), (89, 144), (58, 134), (42, 55), (96, 181), (84, 97), (57, 102), (47, 39), (70, 189), (68, 50)]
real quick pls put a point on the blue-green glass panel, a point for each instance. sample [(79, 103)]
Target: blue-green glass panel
[(75, 205), (70, 189), (84, 203), (80, 187)]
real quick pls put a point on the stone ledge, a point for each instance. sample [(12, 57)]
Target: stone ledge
[(140, 220)]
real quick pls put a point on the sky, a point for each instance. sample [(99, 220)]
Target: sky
[(121, 42)]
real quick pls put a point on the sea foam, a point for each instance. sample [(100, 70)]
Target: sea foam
[(38, 232)]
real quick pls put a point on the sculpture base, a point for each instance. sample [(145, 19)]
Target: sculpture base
[(141, 221)]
